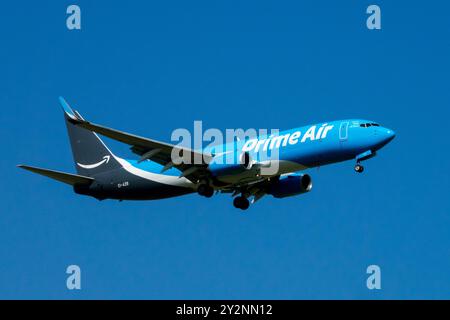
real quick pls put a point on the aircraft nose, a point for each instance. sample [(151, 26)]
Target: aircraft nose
[(382, 136), (390, 134), (385, 136)]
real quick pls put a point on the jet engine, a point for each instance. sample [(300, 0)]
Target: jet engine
[(227, 165), (291, 185)]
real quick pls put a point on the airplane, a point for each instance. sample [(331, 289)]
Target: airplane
[(156, 174)]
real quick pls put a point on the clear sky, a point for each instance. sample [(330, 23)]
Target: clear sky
[(149, 67)]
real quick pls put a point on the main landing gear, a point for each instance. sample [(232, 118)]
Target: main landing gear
[(241, 202), (205, 190), (359, 168)]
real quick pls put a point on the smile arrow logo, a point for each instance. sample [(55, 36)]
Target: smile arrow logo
[(95, 165)]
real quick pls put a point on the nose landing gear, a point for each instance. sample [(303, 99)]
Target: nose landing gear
[(361, 157), (241, 202), (359, 168)]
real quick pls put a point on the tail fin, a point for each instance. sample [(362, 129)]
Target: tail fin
[(90, 154)]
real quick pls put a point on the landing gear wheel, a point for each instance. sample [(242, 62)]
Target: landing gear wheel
[(209, 192), (205, 190), (359, 168), (241, 203)]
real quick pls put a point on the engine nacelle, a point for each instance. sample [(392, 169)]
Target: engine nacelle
[(227, 165), (291, 185)]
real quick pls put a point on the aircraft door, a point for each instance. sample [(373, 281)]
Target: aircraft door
[(343, 132)]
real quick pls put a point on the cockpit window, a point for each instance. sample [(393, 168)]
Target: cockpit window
[(367, 125)]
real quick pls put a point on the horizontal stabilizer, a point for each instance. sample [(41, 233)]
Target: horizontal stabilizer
[(72, 179)]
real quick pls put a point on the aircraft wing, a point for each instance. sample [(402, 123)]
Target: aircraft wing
[(148, 149)]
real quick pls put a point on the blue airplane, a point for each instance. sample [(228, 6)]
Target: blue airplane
[(157, 174)]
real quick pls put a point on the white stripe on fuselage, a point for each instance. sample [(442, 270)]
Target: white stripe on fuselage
[(160, 178)]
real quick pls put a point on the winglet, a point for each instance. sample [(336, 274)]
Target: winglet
[(71, 114)]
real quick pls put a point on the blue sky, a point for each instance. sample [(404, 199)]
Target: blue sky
[(151, 67)]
